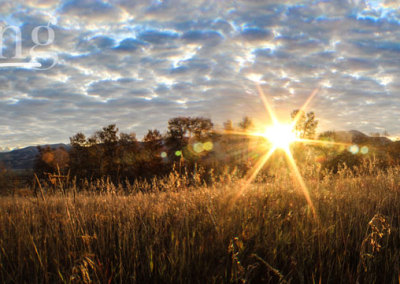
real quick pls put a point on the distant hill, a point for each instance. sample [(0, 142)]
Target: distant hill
[(357, 137), (23, 159)]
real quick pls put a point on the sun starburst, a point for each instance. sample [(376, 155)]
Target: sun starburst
[(281, 136)]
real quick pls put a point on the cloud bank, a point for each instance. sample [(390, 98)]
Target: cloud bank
[(139, 63)]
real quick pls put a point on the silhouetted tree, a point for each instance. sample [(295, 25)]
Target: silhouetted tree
[(200, 127), (153, 141), (79, 155), (306, 123), (108, 140), (127, 156), (151, 154), (246, 124), (178, 127), (182, 129)]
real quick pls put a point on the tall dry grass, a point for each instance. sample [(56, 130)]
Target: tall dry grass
[(225, 233)]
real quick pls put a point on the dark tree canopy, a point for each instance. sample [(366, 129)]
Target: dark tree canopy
[(183, 129)]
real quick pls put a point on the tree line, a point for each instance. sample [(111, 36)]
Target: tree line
[(118, 155), (190, 143)]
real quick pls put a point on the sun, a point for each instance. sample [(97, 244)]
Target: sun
[(280, 135)]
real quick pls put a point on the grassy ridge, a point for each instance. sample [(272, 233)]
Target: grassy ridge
[(225, 233)]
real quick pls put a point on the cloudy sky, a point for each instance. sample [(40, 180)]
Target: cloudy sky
[(139, 63)]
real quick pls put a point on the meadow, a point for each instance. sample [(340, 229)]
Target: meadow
[(172, 231)]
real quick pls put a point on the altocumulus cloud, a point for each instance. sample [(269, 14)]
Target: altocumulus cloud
[(138, 63)]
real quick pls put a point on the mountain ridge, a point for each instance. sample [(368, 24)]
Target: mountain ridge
[(358, 137), (24, 158)]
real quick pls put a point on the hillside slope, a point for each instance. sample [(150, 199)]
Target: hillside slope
[(23, 159)]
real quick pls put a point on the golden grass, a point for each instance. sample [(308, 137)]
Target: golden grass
[(222, 233)]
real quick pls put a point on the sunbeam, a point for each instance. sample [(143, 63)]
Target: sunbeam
[(259, 165), (300, 180), (281, 136)]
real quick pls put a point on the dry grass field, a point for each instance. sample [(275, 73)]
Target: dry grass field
[(230, 232)]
